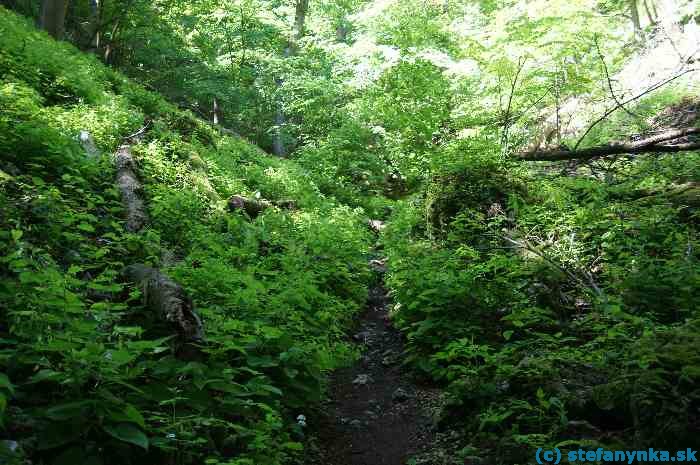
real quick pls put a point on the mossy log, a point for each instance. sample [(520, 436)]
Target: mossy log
[(254, 207)]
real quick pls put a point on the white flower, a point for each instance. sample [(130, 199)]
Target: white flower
[(301, 420), (170, 436)]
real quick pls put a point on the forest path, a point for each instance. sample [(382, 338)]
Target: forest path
[(377, 414)]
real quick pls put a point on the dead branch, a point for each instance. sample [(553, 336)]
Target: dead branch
[(657, 143), (526, 245), (609, 80), (506, 127), (629, 100), (138, 134)]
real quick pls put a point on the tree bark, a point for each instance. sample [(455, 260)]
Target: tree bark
[(53, 17), (109, 47), (278, 147), (341, 32), (650, 15), (658, 143), (217, 115), (168, 299), (130, 189), (302, 6), (634, 12), (94, 25)]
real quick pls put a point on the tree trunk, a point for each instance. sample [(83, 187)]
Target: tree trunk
[(278, 147), (299, 22), (94, 25), (341, 32), (302, 6), (634, 12), (109, 48), (53, 17), (650, 14)]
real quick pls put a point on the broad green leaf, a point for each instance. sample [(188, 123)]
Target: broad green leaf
[(128, 414), (6, 384), (69, 410), (127, 432)]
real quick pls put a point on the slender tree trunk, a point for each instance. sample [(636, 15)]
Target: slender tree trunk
[(302, 7), (53, 17), (299, 21), (653, 10), (634, 12), (650, 15), (278, 147), (94, 25), (109, 47)]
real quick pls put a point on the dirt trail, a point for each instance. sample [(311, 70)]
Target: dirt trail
[(377, 415)]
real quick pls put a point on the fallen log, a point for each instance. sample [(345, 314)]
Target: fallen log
[(254, 207), (168, 299), (130, 189), (657, 143)]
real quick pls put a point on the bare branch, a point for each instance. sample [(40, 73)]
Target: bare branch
[(521, 65), (607, 77), (525, 244)]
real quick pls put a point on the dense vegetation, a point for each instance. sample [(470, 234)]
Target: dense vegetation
[(92, 377), (555, 302)]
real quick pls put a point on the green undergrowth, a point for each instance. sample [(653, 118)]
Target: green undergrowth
[(87, 374), (558, 309)]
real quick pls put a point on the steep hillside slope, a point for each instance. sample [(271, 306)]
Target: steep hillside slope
[(88, 372)]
